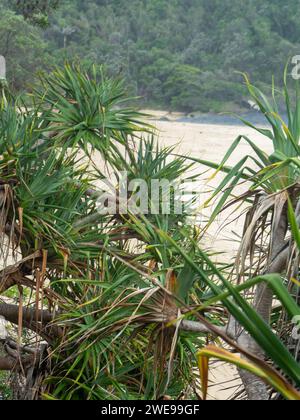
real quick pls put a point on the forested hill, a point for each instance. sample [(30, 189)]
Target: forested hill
[(179, 54)]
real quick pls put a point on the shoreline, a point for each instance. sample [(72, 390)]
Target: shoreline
[(226, 119)]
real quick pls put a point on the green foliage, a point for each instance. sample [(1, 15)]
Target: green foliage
[(120, 286), (48, 167), (23, 48), (36, 11), (183, 88), (176, 54), (272, 197), (272, 173), (5, 392)]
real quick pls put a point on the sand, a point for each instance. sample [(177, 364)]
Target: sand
[(211, 142)]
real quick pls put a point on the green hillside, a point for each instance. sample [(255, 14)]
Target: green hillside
[(176, 54)]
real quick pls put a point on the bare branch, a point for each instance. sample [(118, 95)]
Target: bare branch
[(197, 327), (38, 321), (11, 314), (12, 275)]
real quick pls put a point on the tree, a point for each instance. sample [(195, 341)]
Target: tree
[(273, 216), (183, 88), (23, 49), (36, 11), (145, 41), (115, 305)]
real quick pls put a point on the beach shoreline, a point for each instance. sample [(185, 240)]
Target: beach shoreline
[(225, 119)]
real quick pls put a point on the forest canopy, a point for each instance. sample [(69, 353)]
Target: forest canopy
[(177, 54)]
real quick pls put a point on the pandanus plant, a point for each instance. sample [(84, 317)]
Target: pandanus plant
[(272, 200), (65, 261), (116, 306)]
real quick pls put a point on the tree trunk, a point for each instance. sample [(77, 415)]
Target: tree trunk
[(256, 389)]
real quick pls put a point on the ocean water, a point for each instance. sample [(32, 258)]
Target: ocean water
[(255, 118)]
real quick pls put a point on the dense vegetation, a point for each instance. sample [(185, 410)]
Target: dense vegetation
[(177, 54), (122, 305), (118, 305)]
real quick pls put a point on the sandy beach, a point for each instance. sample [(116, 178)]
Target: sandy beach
[(211, 142)]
